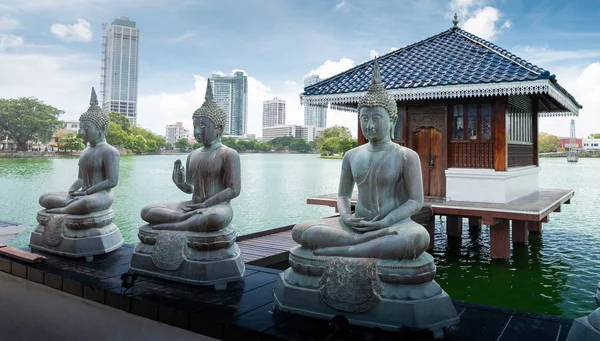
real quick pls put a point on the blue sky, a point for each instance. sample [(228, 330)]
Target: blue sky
[(50, 49)]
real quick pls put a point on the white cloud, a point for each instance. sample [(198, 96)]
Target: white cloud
[(80, 31), (484, 23), (289, 83), (61, 80), (542, 56), (463, 7), (507, 24), (392, 49), (373, 54), (9, 40), (182, 37), (584, 84), (331, 68), (340, 5), (7, 23)]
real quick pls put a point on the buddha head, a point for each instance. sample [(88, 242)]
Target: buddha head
[(93, 123), (209, 119), (377, 110)]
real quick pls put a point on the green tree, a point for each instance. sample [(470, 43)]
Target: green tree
[(548, 143), (28, 119), (594, 136), (300, 146), (346, 145), (151, 146), (70, 142), (341, 132), (331, 146), (137, 144), (230, 142), (196, 145), (120, 119), (182, 144), (319, 140), (116, 136)]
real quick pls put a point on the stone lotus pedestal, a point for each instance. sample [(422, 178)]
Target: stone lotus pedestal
[(388, 294), (76, 235), (200, 258)]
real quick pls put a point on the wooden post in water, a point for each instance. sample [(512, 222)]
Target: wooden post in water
[(454, 226), (520, 231), (500, 240)]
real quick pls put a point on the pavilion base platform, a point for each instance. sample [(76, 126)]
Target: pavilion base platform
[(76, 235), (391, 295), (198, 258), (526, 215)]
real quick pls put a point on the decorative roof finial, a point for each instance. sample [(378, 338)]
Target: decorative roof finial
[(377, 96), (210, 108), (93, 97), (209, 92), (455, 21)]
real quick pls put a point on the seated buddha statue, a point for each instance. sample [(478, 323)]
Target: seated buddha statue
[(211, 174), (369, 266), (98, 169), (194, 241), (78, 223), (390, 190)]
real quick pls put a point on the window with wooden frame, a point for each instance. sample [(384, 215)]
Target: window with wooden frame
[(472, 122)]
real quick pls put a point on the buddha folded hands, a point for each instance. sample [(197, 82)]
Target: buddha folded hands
[(211, 175), (390, 190), (98, 169)]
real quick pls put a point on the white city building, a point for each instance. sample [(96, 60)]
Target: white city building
[(120, 50), (308, 133), (273, 113), (176, 132), (231, 95), (314, 115)]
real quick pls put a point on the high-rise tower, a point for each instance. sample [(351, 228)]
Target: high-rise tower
[(273, 113), (314, 115), (231, 95), (120, 51)]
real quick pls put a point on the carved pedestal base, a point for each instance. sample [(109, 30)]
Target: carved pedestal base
[(386, 294), (76, 235), (200, 258), (583, 329)]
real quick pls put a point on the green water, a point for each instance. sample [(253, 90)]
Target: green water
[(556, 273)]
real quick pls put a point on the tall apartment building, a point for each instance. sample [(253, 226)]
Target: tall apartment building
[(314, 115), (273, 113), (308, 133), (176, 132), (231, 95), (120, 51)]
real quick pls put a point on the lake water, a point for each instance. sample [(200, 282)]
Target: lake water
[(556, 273)]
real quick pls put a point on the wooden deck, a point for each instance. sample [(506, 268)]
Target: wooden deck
[(271, 247), (526, 214), (243, 310)]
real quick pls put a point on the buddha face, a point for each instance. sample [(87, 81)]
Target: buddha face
[(375, 124), (89, 132), (205, 131)]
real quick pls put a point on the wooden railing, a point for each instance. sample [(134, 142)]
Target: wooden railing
[(469, 154), (520, 155)]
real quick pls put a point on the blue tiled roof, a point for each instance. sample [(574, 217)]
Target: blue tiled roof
[(450, 58)]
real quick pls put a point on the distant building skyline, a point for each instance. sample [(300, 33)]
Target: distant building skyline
[(273, 113), (176, 132), (314, 115), (119, 73), (308, 133), (231, 95)]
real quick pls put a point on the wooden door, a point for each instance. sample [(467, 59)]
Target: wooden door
[(427, 142)]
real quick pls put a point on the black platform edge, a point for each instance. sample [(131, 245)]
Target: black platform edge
[(243, 310)]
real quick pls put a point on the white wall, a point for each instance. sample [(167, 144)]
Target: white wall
[(488, 185)]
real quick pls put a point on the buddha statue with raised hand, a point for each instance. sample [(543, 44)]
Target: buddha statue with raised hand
[(370, 265), (79, 222), (212, 175)]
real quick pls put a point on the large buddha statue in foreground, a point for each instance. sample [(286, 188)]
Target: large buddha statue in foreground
[(194, 241), (369, 265), (78, 223)]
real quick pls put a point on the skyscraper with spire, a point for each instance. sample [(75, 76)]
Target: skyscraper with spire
[(120, 51)]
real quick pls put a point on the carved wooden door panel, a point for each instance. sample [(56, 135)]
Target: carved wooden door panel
[(427, 142)]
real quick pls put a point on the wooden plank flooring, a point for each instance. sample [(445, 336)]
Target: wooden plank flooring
[(265, 250)]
